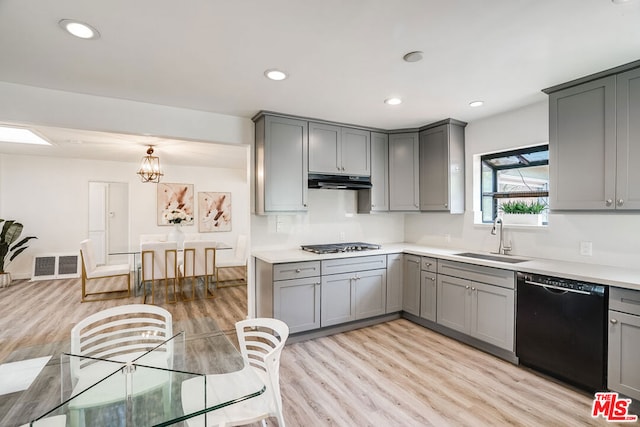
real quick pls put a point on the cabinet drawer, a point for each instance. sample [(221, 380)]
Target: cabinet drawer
[(478, 273), (625, 300), (296, 270), (345, 265), (429, 264)]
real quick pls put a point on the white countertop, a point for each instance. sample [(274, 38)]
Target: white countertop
[(607, 275)]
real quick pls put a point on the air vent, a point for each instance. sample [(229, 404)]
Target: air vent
[(56, 266)]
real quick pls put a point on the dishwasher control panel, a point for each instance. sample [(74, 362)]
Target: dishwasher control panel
[(561, 283)]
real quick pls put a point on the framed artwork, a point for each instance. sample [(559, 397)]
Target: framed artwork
[(214, 212), (175, 204)]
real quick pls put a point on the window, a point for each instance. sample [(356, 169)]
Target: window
[(516, 175)]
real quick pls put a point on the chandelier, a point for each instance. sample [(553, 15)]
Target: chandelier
[(150, 168)]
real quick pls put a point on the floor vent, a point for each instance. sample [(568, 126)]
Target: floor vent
[(55, 266)]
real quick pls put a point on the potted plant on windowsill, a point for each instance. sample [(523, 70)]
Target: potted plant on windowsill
[(521, 213), (10, 247)]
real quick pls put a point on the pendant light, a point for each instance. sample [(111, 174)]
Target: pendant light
[(150, 167)]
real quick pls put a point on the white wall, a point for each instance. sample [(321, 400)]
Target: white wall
[(50, 197), (331, 218), (614, 235)]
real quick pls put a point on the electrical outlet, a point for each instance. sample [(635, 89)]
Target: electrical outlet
[(586, 248), (447, 238)]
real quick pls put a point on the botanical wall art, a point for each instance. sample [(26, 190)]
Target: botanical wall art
[(175, 204), (214, 212)]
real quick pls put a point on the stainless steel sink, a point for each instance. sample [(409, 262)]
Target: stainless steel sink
[(488, 257)]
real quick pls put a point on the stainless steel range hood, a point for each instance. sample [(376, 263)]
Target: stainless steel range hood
[(339, 182)]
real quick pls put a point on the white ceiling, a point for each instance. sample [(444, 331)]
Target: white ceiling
[(343, 57)]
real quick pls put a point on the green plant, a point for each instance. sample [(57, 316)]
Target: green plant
[(10, 234), (517, 207)]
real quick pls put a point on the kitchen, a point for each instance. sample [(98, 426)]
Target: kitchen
[(333, 216)]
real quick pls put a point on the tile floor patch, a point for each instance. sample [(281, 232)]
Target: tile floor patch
[(18, 376)]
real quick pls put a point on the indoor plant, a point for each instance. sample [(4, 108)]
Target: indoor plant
[(10, 247), (519, 212)]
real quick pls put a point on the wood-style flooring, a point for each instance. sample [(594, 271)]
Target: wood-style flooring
[(392, 374)]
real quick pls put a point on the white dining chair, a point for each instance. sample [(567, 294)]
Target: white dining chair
[(261, 342), (239, 258), (159, 263), (91, 272), (119, 334), (199, 262)]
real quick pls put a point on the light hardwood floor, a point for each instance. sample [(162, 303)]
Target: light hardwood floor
[(391, 374)]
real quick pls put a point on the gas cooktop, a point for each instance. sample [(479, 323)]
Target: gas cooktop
[(334, 248)]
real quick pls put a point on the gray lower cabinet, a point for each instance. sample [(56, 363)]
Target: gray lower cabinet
[(411, 288), (297, 303), (281, 164), (404, 172), (394, 283), (442, 167), (467, 303), (428, 292), (353, 296), (623, 373)]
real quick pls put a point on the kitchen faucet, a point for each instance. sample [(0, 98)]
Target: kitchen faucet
[(502, 249)]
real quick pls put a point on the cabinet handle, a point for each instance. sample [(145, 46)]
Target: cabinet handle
[(620, 202), (614, 321), (428, 264), (414, 261), (473, 289), (433, 279), (298, 270), (466, 287), (305, 205), (446, 205), (608, 202)]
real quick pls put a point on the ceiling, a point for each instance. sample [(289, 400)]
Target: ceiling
[(343, 57)]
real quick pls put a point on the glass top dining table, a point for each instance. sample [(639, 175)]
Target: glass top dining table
[(152, 389)]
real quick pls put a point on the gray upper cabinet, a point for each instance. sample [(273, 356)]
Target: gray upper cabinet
[(403, 172), (281, 164), (379, 171), (582, 146), (594, 143), (628, 140), (442, 167), (339, 150)]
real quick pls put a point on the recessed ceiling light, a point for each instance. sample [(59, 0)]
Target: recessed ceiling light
[(476, 103), (79, 29), (393, 101), (274, 74), (21, 136), (413, 56)]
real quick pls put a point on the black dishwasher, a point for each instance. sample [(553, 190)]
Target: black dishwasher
[(561, 329)]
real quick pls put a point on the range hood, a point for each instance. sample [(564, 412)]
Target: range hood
[(339, 182)]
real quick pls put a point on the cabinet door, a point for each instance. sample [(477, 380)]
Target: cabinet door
[(281, 161), (623, 373), (493, 314), (324, 148), (411, 289), (434, 169), (403, 172), (370, 289), (454, 303), (337, 299), (582, 146), (394, 283), (628, 140), (297, 303), (379, 171), (356, 152), (428, 288)]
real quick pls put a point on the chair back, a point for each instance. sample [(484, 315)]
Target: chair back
[(159, 260), (240, 253), (199, 258), (88, 258), (261, 341), (121, 333)]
